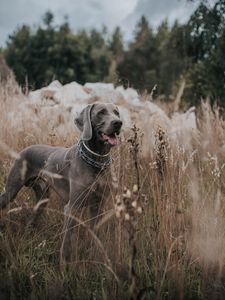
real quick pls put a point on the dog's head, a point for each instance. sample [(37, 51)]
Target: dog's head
[(101, 121)]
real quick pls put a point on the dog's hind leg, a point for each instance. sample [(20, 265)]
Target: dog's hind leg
[(41, 189), (15, 181)]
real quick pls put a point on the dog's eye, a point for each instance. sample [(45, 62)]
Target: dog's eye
[(116, 113), (102, 112)]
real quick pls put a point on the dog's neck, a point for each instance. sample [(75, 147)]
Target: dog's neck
[(98, 158)]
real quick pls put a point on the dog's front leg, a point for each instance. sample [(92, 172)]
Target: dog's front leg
[(96, 203), (71, 223), (95, 210)]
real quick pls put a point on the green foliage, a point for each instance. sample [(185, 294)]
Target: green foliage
[(206, 50), (116, 44), (48, 53), (140, 63), (162, 56), (155, 58), (48, 18)]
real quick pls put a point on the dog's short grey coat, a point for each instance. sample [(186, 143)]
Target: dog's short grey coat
[(43, 167)]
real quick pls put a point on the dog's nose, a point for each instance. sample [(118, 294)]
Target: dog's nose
[(117, 124)]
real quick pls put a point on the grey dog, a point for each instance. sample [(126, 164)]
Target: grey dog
[(77, 174)]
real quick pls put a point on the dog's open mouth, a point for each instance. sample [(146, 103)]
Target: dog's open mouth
[(111, 139)]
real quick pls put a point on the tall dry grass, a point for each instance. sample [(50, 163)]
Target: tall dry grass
[(167, 241)]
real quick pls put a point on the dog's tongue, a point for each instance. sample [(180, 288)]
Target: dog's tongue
[(111, 140)]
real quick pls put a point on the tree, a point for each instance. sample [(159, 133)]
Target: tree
[(173, 61), (56, 52), (194, 50), (116, 44), (16, 54), (140, 64), (48, 18), (206, 31)]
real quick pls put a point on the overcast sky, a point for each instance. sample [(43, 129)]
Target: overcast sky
[(91, 13)]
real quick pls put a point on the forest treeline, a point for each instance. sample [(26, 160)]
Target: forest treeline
[(166, 55)]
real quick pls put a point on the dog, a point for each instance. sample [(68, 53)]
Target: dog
[(73, 173)]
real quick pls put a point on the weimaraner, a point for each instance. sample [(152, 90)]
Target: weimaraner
[(76, 174)]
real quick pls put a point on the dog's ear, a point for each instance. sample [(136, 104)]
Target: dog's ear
[(83, 122)]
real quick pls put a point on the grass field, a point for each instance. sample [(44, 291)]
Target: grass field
[(165, 240)]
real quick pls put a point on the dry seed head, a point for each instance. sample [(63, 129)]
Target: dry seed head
[(127, 217), (139, 210), (134, 203), (135, 188), (127, 194)]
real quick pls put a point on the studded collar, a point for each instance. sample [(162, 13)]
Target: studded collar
[(92, 158)]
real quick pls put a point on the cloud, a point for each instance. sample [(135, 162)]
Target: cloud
[(91, 13), (82, 14), (157, 11)]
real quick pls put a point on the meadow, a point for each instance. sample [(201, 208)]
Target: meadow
[(162, 235)]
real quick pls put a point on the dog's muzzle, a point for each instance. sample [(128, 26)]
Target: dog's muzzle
[(111, 137)]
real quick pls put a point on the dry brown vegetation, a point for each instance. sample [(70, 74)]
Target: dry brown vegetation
[(166, 239)]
